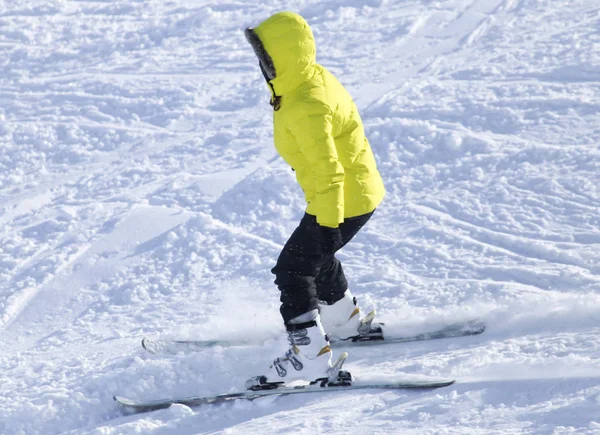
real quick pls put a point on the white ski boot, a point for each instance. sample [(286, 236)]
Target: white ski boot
[(308, 358), (342, 321)]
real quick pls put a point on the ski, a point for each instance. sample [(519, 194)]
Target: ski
[(277, 390), (375, 336)]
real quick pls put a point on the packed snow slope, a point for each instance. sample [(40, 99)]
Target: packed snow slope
[(140, 195)]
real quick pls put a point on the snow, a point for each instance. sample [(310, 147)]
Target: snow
[(140, 195)]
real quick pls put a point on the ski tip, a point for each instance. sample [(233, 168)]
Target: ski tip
[(123, 400), (426, 385), (147, 345)]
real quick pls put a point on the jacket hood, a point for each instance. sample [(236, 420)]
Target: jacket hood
[(285, 47)]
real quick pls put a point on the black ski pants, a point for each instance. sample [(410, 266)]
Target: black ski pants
[(306, 272)]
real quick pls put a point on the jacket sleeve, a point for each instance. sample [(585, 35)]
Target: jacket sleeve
[(311, 128)]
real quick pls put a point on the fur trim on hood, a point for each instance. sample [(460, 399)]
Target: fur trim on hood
[(259, 49)]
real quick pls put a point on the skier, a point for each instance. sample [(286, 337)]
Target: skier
[(319, 133)]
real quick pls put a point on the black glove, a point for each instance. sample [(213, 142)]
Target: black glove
[(331, 240)]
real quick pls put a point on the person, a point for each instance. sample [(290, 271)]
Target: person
[(319, 133)]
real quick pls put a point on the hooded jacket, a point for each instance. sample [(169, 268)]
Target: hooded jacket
[(317, 128)]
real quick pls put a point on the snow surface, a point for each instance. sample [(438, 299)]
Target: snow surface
[(140, 195)]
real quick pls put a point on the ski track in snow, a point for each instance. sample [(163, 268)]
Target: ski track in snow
[(140, 195)]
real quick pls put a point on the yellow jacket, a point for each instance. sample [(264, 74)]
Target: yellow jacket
[(317, 128)]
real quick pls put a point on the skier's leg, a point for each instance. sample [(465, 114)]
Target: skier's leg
[(351, 226), (309, 355), (339, 310), (296, 269), (331, 283)]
